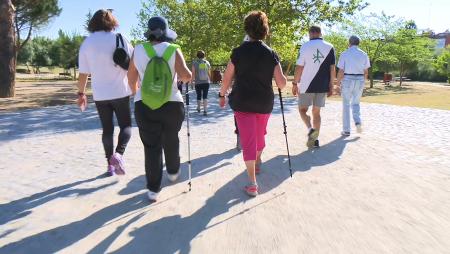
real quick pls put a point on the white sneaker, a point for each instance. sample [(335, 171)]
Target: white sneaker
[(359, 128), (173, 177), (152, 196)]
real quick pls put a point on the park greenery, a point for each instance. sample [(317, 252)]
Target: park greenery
[(394, 45), (44, 52), (18, 19)]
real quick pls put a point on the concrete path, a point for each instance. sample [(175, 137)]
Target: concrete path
[(384, 191)]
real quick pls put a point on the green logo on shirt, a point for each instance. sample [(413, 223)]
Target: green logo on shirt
[(317, 56)]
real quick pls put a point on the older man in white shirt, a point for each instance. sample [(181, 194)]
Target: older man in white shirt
[(353, 70)]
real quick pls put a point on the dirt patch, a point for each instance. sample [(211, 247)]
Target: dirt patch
[(39, 94)]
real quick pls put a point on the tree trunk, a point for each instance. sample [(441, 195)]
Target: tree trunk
[(371, 77), (7, 49), (74, 73)]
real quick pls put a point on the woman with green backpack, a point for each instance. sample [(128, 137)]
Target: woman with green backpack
[(159, 108)]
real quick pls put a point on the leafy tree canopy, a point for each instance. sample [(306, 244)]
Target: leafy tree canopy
[(216, 26), (31, 14)]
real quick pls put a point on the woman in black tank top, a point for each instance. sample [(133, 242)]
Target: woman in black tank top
[(253, 65)]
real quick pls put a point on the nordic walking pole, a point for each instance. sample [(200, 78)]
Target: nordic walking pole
[(285, 131), (188, 136)]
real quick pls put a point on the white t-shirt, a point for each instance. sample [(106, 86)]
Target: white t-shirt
[(317, 57), (141, 60), (96, 58), (353, 61)]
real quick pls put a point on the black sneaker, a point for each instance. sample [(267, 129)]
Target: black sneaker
[(345, 133), (312, 137), (204, 113), (316, 144)]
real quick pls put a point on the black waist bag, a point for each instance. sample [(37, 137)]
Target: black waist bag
[(120, 56)]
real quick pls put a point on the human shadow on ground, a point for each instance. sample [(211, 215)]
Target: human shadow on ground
[(200, 166), (278, 168), (175, 233), (182, 231), (152, 238), (22, 207), (56, 239)]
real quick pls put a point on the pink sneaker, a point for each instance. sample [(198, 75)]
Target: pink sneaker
[(117, 161), (111, 170), (252, 190)]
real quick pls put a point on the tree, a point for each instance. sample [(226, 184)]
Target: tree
[(7, 49), (68, 49), (442, 63), (376, 33), (41, 48), (409, 49), (222, 22), (19, 17), (25, 55), (87, 20), (339, 41), (32, 14)]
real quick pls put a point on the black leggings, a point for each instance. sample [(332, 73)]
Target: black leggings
[(121, 108), (202, 91), (158, 130)]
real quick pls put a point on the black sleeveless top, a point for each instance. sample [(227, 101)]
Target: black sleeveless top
[(252, 91)]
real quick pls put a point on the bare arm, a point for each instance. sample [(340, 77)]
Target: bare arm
[(193, 73), (297, 76), (366, 74), (340, 76), (82, 82), (184, 74), (332, 75), (227, 78), (298, 73), (133, 76), (332, 79), (280, 79)]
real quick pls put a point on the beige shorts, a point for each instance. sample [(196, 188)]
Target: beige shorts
[(312, 99)]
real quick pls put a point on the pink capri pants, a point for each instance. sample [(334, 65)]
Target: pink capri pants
[(252, 129)]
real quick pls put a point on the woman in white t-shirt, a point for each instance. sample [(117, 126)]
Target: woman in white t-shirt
[(158, 128), (109, 85)]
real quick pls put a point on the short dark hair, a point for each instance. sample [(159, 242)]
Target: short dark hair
[(315, 29), (256, 25), (103, 20), (354, 40), (201, 54)]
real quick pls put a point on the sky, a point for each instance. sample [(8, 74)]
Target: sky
[(431, 14)]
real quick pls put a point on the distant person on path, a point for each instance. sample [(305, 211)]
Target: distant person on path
[(109, 85), (159, 116), (201, 76), (353, 70), (252, 97), (313, 81)]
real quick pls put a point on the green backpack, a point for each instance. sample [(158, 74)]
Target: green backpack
[(156, 87)]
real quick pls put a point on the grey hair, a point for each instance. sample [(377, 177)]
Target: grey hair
[(354, 40)]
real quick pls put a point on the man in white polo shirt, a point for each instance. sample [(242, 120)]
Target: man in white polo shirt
[(353, 70), (313, 81)]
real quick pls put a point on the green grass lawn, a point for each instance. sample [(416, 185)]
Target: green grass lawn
[(414, 94)]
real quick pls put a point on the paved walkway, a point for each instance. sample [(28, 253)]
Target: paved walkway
[(385, 191)]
